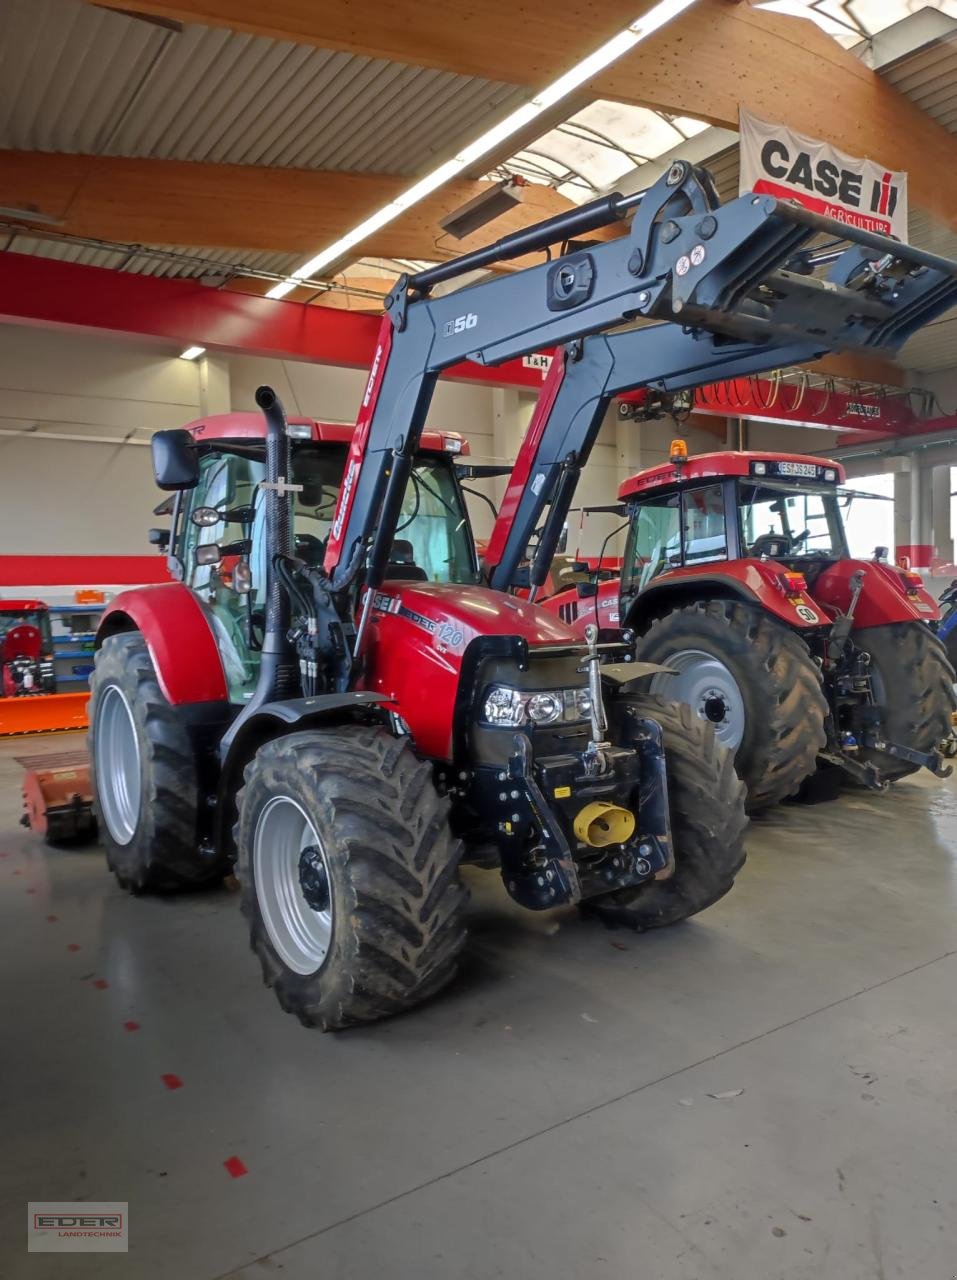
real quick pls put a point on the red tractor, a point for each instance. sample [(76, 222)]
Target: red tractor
[(26, 649), (737, 577), (362, 712)]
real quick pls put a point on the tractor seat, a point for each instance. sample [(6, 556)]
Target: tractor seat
[(309, 548), (402, 563)]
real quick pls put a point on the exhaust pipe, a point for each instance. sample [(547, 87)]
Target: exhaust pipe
[(278, 672)]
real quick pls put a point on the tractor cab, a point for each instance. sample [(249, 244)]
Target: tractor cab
[(770, 523), (217, 539), (26, 649)]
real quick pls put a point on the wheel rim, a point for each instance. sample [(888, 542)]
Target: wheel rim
[(116, 756), (708, 687), (290, 869)]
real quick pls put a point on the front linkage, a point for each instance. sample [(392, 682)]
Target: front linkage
[(584, 821)]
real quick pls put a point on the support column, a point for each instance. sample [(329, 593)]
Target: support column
[(943, 535), (913, 525), (214, 390)]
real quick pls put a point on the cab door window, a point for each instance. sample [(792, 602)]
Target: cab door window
[(703, 525), (654, 539)]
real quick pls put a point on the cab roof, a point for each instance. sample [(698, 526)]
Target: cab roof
[(21, 606), (252, 426), (730, 462)]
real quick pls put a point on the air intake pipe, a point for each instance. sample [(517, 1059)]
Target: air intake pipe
[(278, 513), (278, 673)]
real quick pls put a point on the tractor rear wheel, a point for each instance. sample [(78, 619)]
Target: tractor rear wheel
[(754, 680), (708, 821), (349, 874), (913, 682), (145, 787)]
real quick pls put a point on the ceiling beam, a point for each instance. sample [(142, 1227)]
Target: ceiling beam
[(180, 313), (244, 207), (717, 56)]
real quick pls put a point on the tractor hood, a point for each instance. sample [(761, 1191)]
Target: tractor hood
[(418, 636), (471, 611)]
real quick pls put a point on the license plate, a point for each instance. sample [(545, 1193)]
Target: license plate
[(808, 469)]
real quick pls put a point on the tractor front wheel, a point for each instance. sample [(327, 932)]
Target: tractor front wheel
[(145, 786), (349, 875), (754, 680), (708, 821), (913, 683)]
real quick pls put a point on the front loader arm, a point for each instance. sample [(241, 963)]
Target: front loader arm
[(725, 272)]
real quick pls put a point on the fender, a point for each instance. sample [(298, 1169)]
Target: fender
[(178, 636), (271, 720), (759, 582), (886, 596)]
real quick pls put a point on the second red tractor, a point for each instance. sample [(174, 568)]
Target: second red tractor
[(737, 576)]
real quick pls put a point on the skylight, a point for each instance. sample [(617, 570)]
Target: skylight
[(851, 21), (590, 151)]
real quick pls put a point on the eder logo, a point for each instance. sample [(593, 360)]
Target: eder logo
[(778, 162), (76, 1227)]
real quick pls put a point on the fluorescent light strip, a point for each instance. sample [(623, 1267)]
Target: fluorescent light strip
[(192, 353), (610, 52)]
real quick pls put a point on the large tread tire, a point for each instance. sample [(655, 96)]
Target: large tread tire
[(780, 684), (163, 855), (708, 821), (393, 870), (915, 687)]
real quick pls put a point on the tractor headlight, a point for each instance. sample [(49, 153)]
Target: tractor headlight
[(510, 708)]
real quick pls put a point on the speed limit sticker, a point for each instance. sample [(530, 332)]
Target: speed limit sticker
[(806, 613)]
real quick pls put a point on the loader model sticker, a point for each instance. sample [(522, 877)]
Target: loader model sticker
[(460, 324), (777, 161)]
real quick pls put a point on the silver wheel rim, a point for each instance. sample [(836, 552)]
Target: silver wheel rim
[(116, 756), (300, 934), (708, 687)]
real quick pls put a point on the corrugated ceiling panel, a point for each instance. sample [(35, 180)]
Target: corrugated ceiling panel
[(929, 78), (142, 264), (75, 78)]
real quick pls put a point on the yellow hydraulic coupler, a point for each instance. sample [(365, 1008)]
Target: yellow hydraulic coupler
[(602, 823)]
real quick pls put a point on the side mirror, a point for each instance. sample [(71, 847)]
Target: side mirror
[(175, 461), (587, 590), (159, 538), (209, 553)]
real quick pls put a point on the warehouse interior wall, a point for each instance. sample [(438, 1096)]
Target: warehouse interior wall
[(94, 494)]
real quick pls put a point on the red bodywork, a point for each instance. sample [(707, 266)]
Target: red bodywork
[(418, 634), (889, 594), (250, 426), (708, 466), (175, 627)]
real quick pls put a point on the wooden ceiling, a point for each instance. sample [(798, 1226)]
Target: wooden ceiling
[(244, 207), (717, 56)]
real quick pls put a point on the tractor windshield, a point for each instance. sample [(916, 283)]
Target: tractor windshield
[(433, 538), (791, 521), (38, 618)]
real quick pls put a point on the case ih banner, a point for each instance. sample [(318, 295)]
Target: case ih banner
[(778, 162)]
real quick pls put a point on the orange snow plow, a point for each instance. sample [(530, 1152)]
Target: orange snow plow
[(43, 713)]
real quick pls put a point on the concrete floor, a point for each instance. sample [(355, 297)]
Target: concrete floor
[(551, 1116)]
